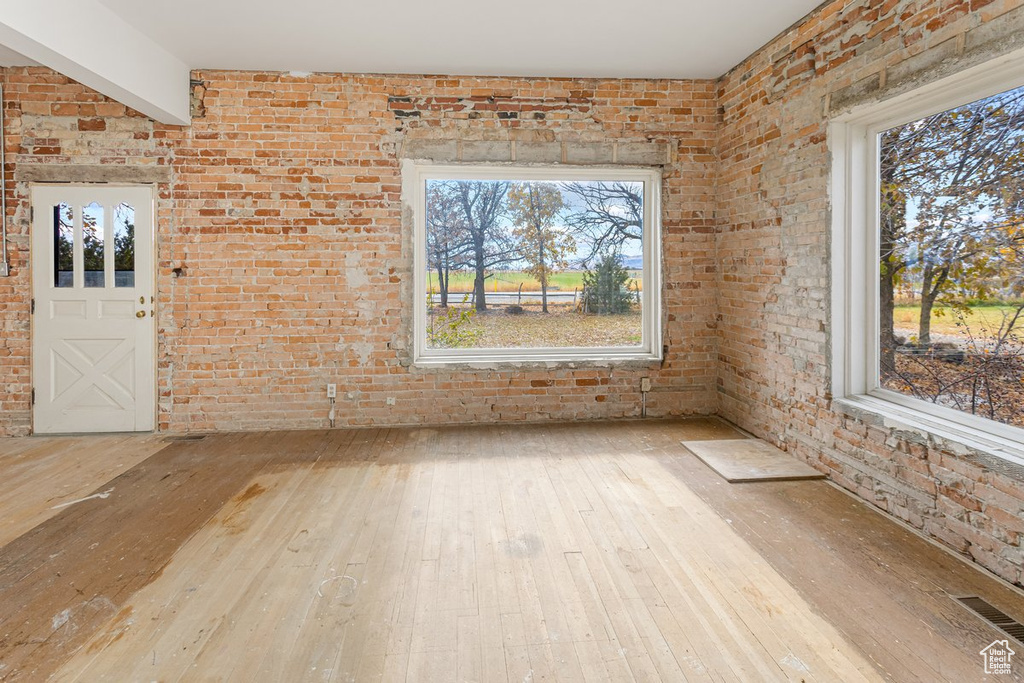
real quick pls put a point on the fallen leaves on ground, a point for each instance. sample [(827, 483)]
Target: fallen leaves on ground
[(986, 385), (562, 327)]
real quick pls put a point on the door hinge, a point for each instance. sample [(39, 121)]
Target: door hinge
[(31, 213), (33, 307), (33, 395)]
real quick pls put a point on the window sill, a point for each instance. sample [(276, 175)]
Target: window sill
[(553, 360), (995, 452)]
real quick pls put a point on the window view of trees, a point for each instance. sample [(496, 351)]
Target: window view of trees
[(63, 246), (952, 258), (93, 246), (513, 264)]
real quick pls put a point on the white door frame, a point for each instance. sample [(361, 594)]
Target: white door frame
[(143, 196)]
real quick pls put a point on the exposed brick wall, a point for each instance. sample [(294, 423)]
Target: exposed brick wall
[(284, 213), (773, 254)]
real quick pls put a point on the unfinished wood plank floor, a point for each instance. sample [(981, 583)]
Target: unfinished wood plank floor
[(41, 475), (561, 552)]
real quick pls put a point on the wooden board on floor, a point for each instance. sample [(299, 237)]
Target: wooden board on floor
[(746, 460)]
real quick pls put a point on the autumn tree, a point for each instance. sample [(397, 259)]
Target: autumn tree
[(957, 171), (897, 145), (605, 215), (952, 231), (489, 244), (534, 209), (448, 243)]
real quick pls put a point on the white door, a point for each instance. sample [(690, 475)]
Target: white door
[(93, 344)]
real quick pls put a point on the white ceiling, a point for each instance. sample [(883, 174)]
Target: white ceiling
[(596, 38), (9, 57)]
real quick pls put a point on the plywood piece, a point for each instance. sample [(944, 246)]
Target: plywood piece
[(747, 460)]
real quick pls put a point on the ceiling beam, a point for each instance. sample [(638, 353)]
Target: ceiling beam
[(86, 41)]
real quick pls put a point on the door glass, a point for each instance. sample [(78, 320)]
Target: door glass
[(63, 246), (124, 245), (92, 245)]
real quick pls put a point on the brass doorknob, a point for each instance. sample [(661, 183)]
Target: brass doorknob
[(140, 314)]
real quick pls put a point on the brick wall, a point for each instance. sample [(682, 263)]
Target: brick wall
[(283, 210), (773, 253)]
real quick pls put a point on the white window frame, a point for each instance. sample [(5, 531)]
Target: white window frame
[(853, 141), (415, 175)]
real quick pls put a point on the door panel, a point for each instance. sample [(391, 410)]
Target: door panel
[(94, 327)]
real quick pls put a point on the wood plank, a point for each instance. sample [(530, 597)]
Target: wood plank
[(43, 475)]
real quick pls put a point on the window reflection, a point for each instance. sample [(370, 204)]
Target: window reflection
[(63, 246), (93, 245), (124, 245)]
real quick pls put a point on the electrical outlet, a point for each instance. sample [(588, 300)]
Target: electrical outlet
[(332, 391), (391, 400), (645, 384)]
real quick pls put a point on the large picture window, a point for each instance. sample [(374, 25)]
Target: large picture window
[(951, 258), (543, 264), (928, 257)]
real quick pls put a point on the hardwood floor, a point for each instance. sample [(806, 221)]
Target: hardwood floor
[(527, 553), (42, 475)]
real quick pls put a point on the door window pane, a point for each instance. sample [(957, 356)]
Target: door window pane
[(63, 246), (93, 245), (124, 246)]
